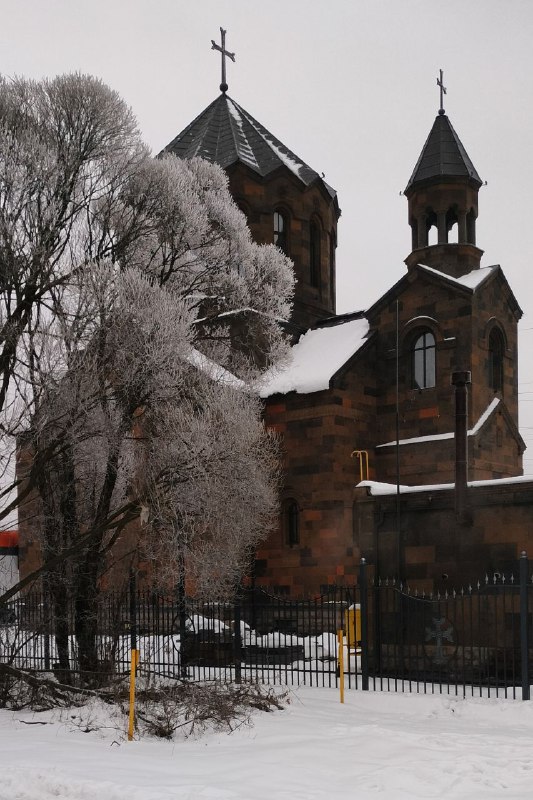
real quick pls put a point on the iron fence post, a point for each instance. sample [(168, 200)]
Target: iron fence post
[(237, 638), (524, 624), (182, 623), (47, 626), (363, 588)]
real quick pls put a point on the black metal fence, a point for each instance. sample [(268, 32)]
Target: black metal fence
[(475, 641)]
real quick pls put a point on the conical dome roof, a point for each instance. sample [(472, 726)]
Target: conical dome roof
[(225, 133), (443, 155)]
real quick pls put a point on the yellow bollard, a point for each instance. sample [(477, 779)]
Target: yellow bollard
[(340, 637), (134, 662)]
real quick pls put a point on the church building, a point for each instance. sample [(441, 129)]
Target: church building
[(366, 409)]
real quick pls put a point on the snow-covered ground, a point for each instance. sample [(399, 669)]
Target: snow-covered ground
[(375, 745)]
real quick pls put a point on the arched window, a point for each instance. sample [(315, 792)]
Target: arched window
[(496, 353), (290, 522), (423, 361), (314, 254), (281, 232)]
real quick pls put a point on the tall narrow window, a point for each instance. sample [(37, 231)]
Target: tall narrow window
[(423, 355), (291, 528), (332, 269), (280, 232), (496, 351), (314, 254)]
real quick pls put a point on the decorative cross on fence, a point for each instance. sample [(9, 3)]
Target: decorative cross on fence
[(440, 84), (441, 632), (222, 49)]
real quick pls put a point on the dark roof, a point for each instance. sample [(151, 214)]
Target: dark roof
[(225, 133), (443, 155)]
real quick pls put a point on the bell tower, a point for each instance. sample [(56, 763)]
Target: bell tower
[(442, 194)]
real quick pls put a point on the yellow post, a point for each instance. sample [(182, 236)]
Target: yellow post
[(134, 662), (340, 636), (362, 455)]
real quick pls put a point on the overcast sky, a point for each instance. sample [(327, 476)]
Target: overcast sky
[(348, 85)]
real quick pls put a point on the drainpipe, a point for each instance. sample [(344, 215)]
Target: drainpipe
[(461, 381)]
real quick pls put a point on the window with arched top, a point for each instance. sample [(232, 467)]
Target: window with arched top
[(281, 231), (496, 353), (290, 522), (423, 368), (314, 254)]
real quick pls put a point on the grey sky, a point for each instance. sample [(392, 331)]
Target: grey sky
[(350, 87)]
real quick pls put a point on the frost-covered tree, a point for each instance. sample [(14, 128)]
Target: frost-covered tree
[(126, 286)]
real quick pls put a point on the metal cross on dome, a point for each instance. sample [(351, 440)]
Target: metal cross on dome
[(224, 52), (440, 84)]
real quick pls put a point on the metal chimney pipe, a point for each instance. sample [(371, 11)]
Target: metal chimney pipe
[(461, 380)]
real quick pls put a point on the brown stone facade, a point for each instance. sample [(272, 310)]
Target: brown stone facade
[(302, 207), (438, 552), (460, 320), (320, 431)]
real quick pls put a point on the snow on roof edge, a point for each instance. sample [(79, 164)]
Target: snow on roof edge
[(378, 488), (437, 437), (471, 280), (214, 371)]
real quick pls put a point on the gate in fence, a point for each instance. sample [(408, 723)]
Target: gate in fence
[(472, 641)]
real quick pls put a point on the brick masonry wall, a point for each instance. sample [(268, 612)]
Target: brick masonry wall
[(439, 551), (259, 198), (460, 322), (319, 433)]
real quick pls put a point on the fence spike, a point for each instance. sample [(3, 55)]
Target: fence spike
[(478, 586)]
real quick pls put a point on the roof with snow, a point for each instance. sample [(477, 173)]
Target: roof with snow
[(471, 280), (315, 359), (216, 372), (225, 133), (377, 488), (443, 155), (468, 283)]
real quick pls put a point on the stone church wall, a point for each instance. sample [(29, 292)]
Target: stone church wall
[(438, 552)]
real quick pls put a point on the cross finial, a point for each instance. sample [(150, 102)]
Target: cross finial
[(224, 52), (440, 84)]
